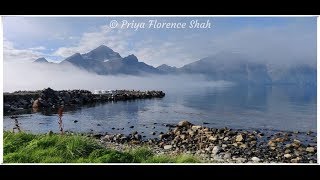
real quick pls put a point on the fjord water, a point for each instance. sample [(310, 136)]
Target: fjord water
[(284, 108)]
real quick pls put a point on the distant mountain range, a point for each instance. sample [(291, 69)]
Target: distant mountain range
[(228, 66)]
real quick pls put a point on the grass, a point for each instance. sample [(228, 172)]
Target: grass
[(30, 148)]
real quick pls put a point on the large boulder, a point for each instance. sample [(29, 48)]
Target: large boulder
[(36, 104), (184, 124)]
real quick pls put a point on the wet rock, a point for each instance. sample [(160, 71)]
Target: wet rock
[(75, 121), (50, 133), (272, 144), (131, 127), (113, 128), (97, 136), (164, 136), (98, 124), (137, 136), (231, 133), (153, 133), (288, 145), (279, 140), (296, 141), (287, 151)]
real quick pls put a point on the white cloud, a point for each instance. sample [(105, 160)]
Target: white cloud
[(274, 43), (116, 39), (38, 48), (59, 77), (10, 53)]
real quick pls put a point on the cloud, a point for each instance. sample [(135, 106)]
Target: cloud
[(13, 54), (116, 39), (38, 48), (10, 53), (276, 43), (40, 76)]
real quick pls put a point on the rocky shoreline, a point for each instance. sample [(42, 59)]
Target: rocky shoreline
[(220, 145), (51, 99)]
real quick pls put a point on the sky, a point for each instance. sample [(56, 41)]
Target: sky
[(272, 39)]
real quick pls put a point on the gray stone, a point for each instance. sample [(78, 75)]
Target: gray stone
[(184, 123), (167, 147), (183, 137), (287, 151), (211, 138), (224, 146), (287, 155), (310, 149), (239, 138), (194, 128), (255, 159), (296, 160), (215, 150), (240, 160), (227, 156)]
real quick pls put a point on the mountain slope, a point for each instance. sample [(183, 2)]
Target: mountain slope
[(104, 60), (229, 66), (41, 60), (167, 69), (102, 53)]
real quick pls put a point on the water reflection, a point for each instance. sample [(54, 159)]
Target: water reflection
[(266, 107)]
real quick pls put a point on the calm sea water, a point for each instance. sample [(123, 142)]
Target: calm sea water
[(284, 108)]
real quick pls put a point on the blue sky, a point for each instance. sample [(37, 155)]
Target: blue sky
[(284, 39)]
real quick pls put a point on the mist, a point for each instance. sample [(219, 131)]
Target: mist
[(36, 76)]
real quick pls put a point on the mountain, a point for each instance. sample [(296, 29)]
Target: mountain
[(41, 60), (104, 61), (102, 53), (229, 66), (167, 69)]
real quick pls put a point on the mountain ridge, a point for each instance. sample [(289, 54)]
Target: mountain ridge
[(228, 66)]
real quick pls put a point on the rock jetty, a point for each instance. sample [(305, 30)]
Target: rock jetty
[(223, 145), (51, 99)]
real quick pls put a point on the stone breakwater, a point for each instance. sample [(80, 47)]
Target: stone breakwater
[(221, 145), (51, 99)]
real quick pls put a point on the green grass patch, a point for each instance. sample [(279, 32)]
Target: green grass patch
[(56, 148)]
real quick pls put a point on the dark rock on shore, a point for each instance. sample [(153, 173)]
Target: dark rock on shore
[(51, 99)]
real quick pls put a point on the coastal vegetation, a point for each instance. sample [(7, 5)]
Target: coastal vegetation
[(24, 147)]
